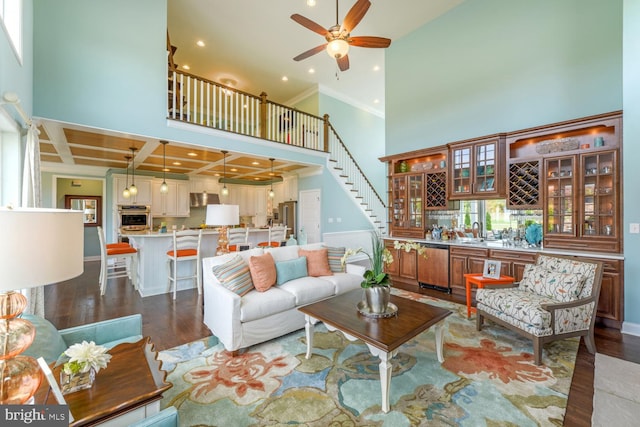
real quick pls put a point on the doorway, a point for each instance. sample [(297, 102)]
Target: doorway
[(310, 213)]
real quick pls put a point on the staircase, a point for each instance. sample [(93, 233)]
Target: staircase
[(192, 99)]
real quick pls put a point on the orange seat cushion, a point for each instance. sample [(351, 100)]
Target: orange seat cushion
[(121, 251), (118, 245), (184, 252), (233, 248), (272, 244)]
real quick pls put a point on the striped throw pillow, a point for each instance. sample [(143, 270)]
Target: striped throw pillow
[(335, 259), (234, 275)]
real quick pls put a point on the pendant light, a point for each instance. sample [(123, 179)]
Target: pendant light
[(164, 188), (126, 193), (271, 193), (133, 189), (225, 190)]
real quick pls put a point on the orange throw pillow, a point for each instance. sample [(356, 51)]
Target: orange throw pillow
[(317, 262), (263, 271)]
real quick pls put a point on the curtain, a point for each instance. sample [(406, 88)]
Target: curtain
[(32, 198)]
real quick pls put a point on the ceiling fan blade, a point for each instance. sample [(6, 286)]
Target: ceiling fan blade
[(343, 63), (310, 52), (369, 41), (355, 15), (308, 23)]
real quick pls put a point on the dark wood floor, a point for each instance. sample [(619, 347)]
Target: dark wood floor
[(170, 323)]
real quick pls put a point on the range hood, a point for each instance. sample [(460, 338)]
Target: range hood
[(203, 199)]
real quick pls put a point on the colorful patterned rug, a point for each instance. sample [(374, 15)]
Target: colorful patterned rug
[(487, 378)]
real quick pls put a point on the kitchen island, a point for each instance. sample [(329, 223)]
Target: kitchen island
[(152, 249)]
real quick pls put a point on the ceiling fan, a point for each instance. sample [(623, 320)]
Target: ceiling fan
[(338, 36)]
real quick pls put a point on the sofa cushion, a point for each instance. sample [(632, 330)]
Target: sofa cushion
[(283, 253), (517, 304), (258, 305), (263, 271), (335, 258), (48, 342), (317, 262), (234, 275), (308, 289), (564, 265), (344, 282), (291, 269)]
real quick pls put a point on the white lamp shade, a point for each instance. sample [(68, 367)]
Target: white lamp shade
[(40, 247), (223, 215)]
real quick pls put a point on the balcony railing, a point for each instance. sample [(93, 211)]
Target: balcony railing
[(203, 102)]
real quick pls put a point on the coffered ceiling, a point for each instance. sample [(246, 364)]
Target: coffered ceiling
[(65, 146)]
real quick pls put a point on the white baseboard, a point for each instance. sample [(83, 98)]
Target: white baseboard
[(631, 328), (92, 258)]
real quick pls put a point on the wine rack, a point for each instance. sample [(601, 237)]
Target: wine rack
[(436, 190), (524, 185)]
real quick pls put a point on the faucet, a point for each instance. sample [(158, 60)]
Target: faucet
[(477, 226)]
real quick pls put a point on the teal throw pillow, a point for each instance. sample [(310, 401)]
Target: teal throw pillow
[(48, 342), (291, 269), (335, 258)]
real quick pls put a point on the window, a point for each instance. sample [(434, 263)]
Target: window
[(11, 20)]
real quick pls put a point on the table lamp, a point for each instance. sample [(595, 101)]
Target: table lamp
[(222, 216), (40, 247)]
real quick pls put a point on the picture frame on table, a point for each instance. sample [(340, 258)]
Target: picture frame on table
[(491, 269)]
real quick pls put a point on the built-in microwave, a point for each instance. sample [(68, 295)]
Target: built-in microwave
[(134, 217)]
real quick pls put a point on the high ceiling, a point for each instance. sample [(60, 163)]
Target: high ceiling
[(254, 42)]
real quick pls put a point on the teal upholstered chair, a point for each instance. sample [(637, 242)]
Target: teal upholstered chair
[(168, 417), (50, 343)]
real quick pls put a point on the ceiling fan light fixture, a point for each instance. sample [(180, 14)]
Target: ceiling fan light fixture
[(337, 48)]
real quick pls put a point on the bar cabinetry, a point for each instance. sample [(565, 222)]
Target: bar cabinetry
[(464, 260), (476, 168)]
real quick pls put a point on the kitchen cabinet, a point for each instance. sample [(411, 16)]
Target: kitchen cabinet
[(464, 260), (404, 266), (143, 184), (476, 168), (611, 303), (175, 203), (571, 170), (417, 183), (202, 185)]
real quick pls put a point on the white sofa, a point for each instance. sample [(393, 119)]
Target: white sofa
[(242, 321)]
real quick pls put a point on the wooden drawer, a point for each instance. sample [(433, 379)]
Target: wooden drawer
[(582, 245)]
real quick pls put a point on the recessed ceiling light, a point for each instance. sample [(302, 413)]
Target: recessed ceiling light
[(216, 174), (311, 3), (200, 43), (376, 68), (177, 163), (272, 174), (166, 170), (376, 101), (192, 154), (255, 163), (186, 67), (285, 78), (256, 179), (233, 170), (311, 71)]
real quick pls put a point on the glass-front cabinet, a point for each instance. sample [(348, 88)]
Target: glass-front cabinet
[(560, 212), (476, 168), (407, 209), (600, 195)]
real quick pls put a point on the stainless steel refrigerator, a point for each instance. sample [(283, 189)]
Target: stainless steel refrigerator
[(287, 216)]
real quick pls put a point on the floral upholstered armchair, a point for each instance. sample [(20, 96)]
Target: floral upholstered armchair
[(557, 298)]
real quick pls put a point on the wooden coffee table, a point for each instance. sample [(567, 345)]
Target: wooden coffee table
[(127, 390), (383, 336)]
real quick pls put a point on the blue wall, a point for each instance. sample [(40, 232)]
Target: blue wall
[(104, 64), (496, 66)]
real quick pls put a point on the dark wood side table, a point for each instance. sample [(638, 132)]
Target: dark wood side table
[(129, 389)]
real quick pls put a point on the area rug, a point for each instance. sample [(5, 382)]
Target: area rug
[(616, 392), (487, 378)]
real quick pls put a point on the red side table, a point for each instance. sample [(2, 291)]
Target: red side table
[(481, 281)]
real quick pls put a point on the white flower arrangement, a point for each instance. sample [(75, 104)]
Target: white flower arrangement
[(84, 356), (410, 245)]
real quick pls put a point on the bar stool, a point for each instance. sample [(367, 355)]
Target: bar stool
[(116, 260), (186, 247), (238, 239), (276, 237)]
